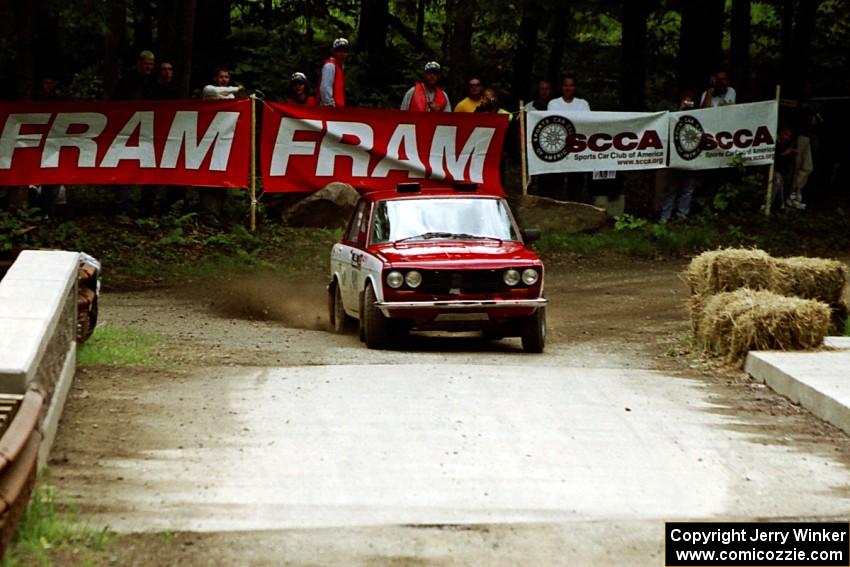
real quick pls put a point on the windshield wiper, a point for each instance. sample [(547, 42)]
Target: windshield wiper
[(474, 237), (426, 236)]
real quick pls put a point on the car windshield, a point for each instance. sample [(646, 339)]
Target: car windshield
[(449, 217)]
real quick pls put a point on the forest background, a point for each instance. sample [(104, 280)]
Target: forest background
[(625, 53)]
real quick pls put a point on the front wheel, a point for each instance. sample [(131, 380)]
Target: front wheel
[(374, 324), (533, 332)]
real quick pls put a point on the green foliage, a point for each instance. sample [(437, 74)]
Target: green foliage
[(46, 529), (629, 222), (119, 347)]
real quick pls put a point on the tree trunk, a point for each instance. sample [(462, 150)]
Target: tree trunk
[(526, 47), (212, 29), (700, 41), (786, 40), (558, 32), (373, 27), (740, 49), (114, 40), (45, 44), (420, 20), (183, 57), (143, 16), (804, 29), (461, 16), (633, 54)]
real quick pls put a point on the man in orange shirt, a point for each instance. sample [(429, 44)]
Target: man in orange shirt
[(427, 96), (332, 82)]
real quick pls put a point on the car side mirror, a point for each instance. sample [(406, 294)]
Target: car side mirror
[(530, 235)]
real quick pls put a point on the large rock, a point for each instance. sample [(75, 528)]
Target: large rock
[(329, 207), (548, 214)]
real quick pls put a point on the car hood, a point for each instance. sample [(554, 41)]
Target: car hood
[(459, 254)]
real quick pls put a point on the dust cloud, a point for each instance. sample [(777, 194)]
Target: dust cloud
[(269, 297)]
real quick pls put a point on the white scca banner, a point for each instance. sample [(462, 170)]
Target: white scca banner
[(712, 138), (560, 142)]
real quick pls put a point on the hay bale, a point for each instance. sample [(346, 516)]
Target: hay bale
[(696, 308), (726, 270), (838, 321), (810, 278), (733, 323)]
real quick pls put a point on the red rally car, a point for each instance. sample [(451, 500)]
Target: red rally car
[(436, 259)]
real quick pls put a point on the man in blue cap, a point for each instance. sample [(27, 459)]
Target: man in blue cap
[(427, 96)]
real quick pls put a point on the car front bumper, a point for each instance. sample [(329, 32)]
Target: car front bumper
[(461, 305)]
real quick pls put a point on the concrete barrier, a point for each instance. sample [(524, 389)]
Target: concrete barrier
[(38, 357)]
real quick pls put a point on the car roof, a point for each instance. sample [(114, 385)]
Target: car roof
[(427, 193)]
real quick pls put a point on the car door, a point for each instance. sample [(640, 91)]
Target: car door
[(342, 256), (357, 257)]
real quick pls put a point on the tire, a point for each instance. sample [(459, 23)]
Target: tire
[(492, 335), (340, 321), (533, 332), (375, 325)]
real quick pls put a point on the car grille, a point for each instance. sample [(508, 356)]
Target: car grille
[(467, 281)]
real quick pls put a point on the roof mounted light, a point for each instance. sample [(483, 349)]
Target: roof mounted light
[(408, 188), (465, 187)]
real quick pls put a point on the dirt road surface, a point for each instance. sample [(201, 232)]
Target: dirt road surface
[(266, 440)]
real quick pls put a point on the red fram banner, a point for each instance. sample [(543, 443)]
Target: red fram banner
[(304, 148), (185, 142)]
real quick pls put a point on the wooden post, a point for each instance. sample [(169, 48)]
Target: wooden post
[(523, 156), (768, 200), (253, 163)]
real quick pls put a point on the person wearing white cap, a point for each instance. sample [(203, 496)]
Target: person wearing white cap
[(332, 82), (427, 96), (298, 86)]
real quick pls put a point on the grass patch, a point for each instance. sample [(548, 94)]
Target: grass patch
[(847, 328), (48, 535), (119, 347), (637, 237)]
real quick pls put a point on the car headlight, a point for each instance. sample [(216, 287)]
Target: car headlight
[(395, 280), (511, 277), (530, 276), (413, 279)]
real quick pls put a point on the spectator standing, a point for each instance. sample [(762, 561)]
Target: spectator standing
[(490, 103), (133, 85), (332, 82), (679, 183), (298, 91), (568, 99), (719, 93), (163, 87), (784, 160), (475, 90), (542, 96), (220, 86), (136, 84), (553, 185), (427, 96), (48, 195), (212, 198)]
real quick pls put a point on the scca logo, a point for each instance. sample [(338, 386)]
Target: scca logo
[(690, 138), (554, 137), (550, 136)]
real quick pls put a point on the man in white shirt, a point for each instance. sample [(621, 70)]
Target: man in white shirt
[(213, 198), (719, 92), (220, 87), (568, 99)]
